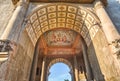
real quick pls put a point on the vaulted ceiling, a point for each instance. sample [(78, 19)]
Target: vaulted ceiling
[(60, 42)]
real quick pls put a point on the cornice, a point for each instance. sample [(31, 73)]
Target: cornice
[(69, 1)]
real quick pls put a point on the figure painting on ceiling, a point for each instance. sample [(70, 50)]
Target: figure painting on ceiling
[(60, 37)]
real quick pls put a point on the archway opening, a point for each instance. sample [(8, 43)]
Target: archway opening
[(59, 72), (58, 29)]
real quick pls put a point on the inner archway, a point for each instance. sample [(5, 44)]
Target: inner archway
[(61, 45), (59, 72), (58, 36)]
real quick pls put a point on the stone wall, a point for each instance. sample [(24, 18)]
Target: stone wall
[(6, 10), (18, 66), (23, 59), (113, 10), (99, 52)]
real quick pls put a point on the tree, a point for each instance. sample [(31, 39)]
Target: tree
[(66, 80)]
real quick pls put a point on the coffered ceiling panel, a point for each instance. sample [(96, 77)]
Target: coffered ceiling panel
[(61, 16)]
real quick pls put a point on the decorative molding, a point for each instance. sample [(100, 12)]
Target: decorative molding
[(65, 1), (20, 3)]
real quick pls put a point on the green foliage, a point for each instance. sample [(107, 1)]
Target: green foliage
[(66, 80)]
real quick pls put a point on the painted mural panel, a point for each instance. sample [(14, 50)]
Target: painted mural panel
[(60, 37)]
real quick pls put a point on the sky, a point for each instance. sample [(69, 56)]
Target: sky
[(59, 72), (118, 0)]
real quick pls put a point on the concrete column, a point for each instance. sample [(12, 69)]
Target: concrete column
[(43, 69), (87, 65), (16, 20), (108, 27), (75, 68)]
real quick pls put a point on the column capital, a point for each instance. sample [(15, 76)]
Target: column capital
[(23, 3), (98, 4), (15, 2)]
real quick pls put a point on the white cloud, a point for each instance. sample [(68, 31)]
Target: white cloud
[(60, 78), (118, 1)]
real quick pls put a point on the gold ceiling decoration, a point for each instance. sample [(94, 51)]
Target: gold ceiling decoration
[(62, 16)]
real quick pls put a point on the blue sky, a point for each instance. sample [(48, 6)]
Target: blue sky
[(59, 72)]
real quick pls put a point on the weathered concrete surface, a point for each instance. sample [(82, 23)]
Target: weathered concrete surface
[(113, 10), (18, 66), (3, 70), (6, 10), (108, 63)]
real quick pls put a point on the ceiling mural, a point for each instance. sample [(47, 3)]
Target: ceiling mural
[(62, 16), (60, 42), (60, 37)]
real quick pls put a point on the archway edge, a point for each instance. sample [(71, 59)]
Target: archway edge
[(73, 17), (62, 60)]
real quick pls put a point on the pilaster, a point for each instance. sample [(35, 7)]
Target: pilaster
[(87, 65), (76, 68), (108, 27), (15, 23)]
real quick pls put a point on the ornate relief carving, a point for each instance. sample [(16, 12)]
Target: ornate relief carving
[(20, 3), (116, 47), (5, 47)]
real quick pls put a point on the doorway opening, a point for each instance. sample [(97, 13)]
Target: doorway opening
[(59, 72)]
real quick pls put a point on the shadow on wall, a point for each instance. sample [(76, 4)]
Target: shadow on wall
[(113, 10)]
